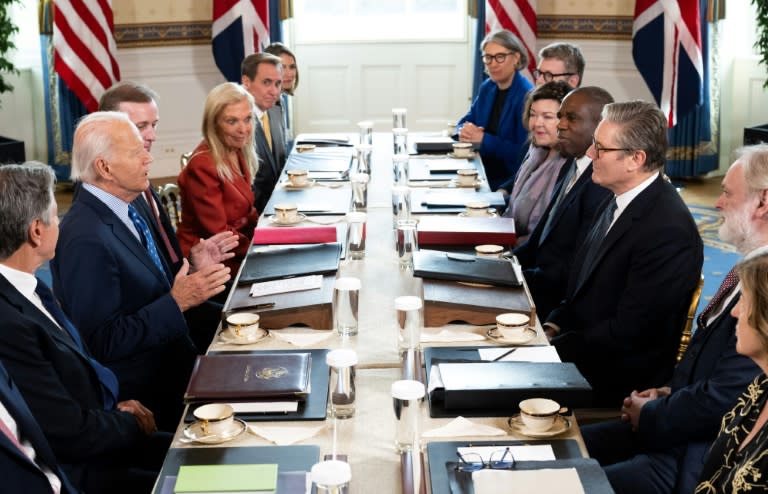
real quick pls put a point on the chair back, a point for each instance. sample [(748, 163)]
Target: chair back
[(185, 159), (170, 199), (685, 337)]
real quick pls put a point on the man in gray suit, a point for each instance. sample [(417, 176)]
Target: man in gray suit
[(262, 76)]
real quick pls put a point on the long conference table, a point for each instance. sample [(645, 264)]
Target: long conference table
[(368, 438)]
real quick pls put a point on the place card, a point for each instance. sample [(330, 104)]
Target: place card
[(544, 481), (529, 452), (265, 407), (546, 353), (286, 285)]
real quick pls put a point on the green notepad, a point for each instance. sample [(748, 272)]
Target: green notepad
[(203, 479)]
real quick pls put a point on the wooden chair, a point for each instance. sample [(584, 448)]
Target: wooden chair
[(685, 337), (185, 159), (170, 199)]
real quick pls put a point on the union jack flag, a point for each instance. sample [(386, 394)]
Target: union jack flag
[(240, 28), (666, 46), (518, 16)]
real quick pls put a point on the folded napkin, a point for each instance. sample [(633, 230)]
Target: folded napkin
[(302, 339), (450, 335), (283, 435), (297, 235), (463, 427)]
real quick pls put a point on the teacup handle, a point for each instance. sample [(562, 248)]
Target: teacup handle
[(564, 411), (206, 429)]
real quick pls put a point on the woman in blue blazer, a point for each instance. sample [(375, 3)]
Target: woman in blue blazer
[(494, 122)]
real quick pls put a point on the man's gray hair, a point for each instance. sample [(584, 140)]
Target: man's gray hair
[(94, 139)]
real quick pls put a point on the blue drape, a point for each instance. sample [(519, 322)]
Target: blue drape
[(275, 24), (691, 150), (478, 68)]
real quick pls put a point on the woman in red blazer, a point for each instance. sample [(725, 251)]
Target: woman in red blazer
[(215, 185)]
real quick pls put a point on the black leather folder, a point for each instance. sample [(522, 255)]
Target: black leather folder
[(289, 459), (293, 260), (312, 408), (461, 267), (496, 388)]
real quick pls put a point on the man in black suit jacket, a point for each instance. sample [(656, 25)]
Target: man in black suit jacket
[(262, 76), (548, 254), (660, 445), (35, 469), (103, 444), (140, 104), (629, 288)]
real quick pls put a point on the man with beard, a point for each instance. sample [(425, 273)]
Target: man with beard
[(660, 444)]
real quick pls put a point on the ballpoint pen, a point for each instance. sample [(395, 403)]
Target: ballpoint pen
[(504, 354)]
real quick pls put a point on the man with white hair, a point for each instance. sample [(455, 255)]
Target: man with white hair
[(110, 277), (661, 444)]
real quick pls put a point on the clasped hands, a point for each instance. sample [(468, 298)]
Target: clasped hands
[(633, 404), (470, 132), (143, 415)]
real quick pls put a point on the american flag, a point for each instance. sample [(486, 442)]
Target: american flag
[(518, 16), (84, 48), (666, 46), (240, 28)]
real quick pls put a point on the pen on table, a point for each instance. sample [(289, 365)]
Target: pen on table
[(504, 355), (267, 305)]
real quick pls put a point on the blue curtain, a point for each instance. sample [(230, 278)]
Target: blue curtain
[(479, 74), (275, 24), (691, 150)]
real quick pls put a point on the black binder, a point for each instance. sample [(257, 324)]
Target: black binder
[(461, 267), (294, 260)]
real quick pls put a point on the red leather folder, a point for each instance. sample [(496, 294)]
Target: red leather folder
[(269, 235), (456, 230)]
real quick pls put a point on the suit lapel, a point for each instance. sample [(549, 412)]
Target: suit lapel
[(623, 223), (122, 233), (581, 182)]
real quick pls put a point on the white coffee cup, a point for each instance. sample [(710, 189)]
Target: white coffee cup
[(512, 324), (489, 250), (477, 209), (462, 149), (539, 414), (298, 178), (286, 213), (243, 324), (215, 418), (467, 176)]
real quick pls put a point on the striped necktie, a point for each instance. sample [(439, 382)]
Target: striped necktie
[(146, 237), (595, 238)]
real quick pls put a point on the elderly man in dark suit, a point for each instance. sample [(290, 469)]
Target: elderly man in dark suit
[(631, 281), (547, 255), (104, 444), (27, 463), (262, 76), (112, 281), (140, 104), (660, 445)]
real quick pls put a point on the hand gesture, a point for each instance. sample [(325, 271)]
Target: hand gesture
[(192, 289), (213, 250)]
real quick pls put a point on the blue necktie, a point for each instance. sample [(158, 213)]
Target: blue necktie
[(106, 377), (146, 237)]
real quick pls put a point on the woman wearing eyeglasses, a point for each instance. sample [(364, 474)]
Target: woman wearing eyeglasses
[(538, 174), (738, 459), (494, 121)]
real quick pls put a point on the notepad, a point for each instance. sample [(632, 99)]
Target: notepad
[(209, 479)]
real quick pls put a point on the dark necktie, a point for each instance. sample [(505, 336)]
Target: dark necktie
[(595, 238), (560, 196), (163, 234), (106, 377), (146, 237), (729, 282)]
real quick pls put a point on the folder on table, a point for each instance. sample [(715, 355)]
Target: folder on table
[(290, 261), (462, 267)]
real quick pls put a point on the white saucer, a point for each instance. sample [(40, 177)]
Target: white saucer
[(526, 337), (561, 425), (194, 432), (301, 217), (472, 155), (491, 214), (290, 186), (229, 336)]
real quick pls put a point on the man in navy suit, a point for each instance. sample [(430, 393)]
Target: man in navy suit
[(262, 76), (31, 468), (104, 444), (110, 277), (548, 254), (660, 445), (630, 283), (140, 104)]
